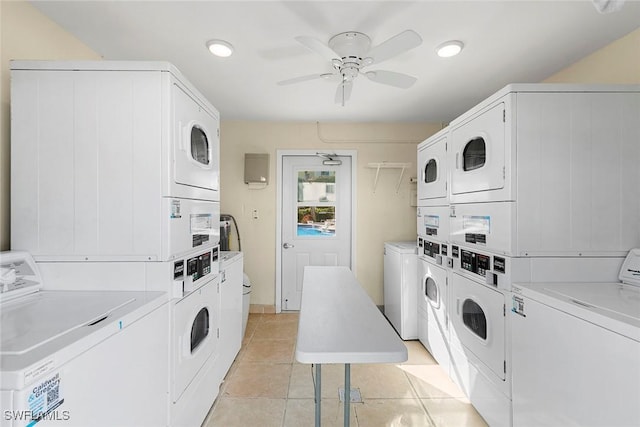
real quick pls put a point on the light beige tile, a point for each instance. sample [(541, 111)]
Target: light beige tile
[(418, 355), (258, 380), (281, 317), (301, 383), (430, 381), (453, 412), (270, 330), (301, 412), (392, 412), (269, 351), (243, 412), (252, 324), (378, 381)]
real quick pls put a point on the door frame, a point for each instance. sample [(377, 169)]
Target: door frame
[(279, 160)]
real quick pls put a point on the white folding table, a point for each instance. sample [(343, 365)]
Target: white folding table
[(340, 324)]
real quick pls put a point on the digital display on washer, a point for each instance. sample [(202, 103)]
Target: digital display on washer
[(431, 249), (199, 266), (475, 263)]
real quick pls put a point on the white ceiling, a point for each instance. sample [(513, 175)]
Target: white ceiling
[(505, 42)]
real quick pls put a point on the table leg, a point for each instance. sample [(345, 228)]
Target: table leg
[(318, 394), (347, 394)]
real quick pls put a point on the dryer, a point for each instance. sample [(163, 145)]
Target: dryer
[(576, 348), (111, 160)]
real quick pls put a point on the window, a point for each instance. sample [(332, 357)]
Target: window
[(474, 155), (316, 203)]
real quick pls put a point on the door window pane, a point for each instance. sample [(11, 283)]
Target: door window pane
[(316, 221), (317, 186)]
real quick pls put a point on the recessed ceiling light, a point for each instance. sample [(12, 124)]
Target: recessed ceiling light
[(220, 48), (450, 48)]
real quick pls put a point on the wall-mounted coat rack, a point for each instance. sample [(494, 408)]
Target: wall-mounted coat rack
[(388, 165)]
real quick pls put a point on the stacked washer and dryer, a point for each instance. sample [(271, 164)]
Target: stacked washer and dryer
[(542, 187), (115, 186), (434, 266)]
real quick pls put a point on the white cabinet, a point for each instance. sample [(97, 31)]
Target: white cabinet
[(231, 267)]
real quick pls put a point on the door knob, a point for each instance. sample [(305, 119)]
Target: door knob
[(287, 245)]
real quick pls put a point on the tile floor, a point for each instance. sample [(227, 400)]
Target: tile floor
[(267, 387)]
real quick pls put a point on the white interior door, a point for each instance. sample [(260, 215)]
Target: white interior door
[(316, 219)]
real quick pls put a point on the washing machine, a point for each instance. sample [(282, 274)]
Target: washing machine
[(79, 358), (576, 351), (400, 288), (478, 331), (433, 301)]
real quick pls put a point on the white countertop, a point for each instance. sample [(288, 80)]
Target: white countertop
[(340, 324)]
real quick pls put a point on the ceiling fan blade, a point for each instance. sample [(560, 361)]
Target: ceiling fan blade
[(306, 78), (318, 47), (343, 93), (396, 45), (391, 78)]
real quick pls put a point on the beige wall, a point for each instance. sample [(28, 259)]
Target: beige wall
[(25, 33), (618, 62), (381, 216)]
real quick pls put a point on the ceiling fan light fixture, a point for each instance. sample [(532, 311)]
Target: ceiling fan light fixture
[(220, 48), (450, 48)]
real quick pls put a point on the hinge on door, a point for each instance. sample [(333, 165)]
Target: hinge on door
[(504, 310), (218, 333), (504, 172), (504, 116), (218, 132), (505, 367)]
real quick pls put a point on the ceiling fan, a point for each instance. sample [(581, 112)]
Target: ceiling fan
[(350, 52)]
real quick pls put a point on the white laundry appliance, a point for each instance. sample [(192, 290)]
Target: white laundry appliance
[(434, 272), (111, 160), (115, 176), (478, 333), (433, 170), (401, 288), (231, 309), (479, 327), (576, 351), (551, 153), (79, 358)]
